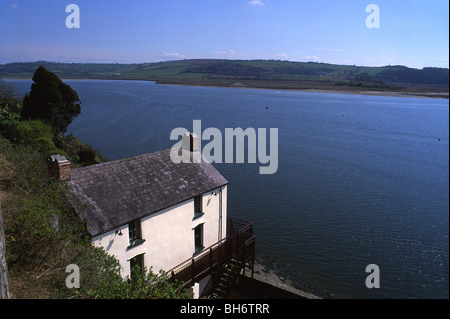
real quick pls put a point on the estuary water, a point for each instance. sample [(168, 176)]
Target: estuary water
[(361, 179)]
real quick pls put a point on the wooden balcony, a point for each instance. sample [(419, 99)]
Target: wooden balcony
[(239, 244)]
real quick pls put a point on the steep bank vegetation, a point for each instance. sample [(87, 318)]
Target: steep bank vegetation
[(43, 233)]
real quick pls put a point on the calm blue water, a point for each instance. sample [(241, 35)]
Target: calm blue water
[(361, 179)]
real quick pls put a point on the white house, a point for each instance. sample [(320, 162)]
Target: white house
[(148, 210)]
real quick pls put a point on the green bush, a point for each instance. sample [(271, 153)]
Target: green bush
[(33, 231), (26, 132), (48, 147), (10, 107), (145, 285), (87, 155), (36, 134), (70, 144), (8, 118)]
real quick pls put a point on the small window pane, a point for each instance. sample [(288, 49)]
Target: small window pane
[(134, 231), (197, 204), (198, 238)]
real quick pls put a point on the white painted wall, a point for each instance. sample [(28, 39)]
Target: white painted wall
[(169, 234)]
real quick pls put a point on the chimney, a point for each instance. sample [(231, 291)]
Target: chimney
[(59, 167), (189, 141)]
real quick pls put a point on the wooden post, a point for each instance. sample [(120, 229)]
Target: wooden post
[(4, 291), (210, 259)]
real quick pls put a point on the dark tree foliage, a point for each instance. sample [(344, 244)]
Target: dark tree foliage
[(402, 74), (87, 155), (51, 100)]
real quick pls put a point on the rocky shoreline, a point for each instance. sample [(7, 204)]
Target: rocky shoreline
[(284, 277)]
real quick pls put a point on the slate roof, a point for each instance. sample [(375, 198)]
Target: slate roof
[(111, 194)]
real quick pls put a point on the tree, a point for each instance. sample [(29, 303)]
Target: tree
[(10, 107), (51, 100)]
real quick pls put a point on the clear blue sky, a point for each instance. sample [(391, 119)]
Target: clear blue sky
[(412, 33)]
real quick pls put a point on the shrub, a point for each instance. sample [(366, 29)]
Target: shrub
[(48, 147), (36, 134), (10, 107), (26, 132), (87, 156), (145, 285), (70, 144), (8, 118), (33, 230)]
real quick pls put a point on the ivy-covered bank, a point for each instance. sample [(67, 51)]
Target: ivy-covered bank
[(42, 232)]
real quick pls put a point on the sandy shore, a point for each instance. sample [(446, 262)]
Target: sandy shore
[(428, 95)]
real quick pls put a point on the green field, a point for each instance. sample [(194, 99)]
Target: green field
[(274, 74)]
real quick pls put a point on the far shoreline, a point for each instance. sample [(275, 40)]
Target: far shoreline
[(425, 95), (429, 95)]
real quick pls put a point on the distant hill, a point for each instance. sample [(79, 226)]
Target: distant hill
[(251, 73)]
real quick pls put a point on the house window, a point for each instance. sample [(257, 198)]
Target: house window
[(134, 233), (198, 206), (198, 238), (136, 266)]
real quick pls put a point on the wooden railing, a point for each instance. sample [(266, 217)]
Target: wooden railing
[(239, 243), (204, 263), (243, 241)]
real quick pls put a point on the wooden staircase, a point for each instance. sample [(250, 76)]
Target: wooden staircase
[(242, 242), (224, 260), (227, 280)]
